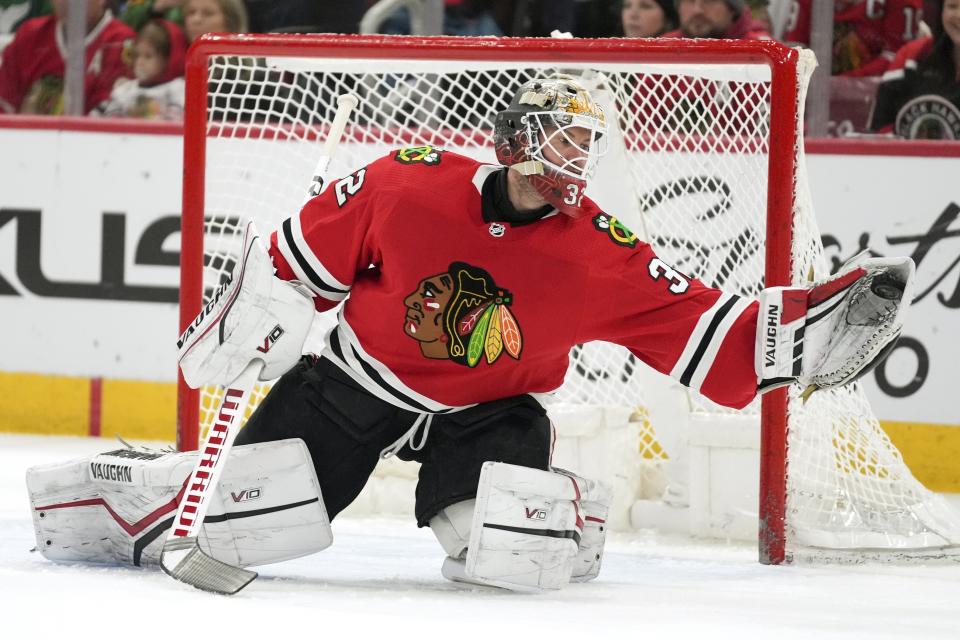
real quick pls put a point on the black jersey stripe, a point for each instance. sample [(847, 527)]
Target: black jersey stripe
[(706, 339), (312, 275), (335, 345), (546, 533), (374, 376)]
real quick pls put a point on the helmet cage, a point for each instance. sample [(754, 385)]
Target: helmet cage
[(539, 134), (552, 131)]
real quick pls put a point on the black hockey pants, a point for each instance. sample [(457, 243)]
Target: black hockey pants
[(345, 428)]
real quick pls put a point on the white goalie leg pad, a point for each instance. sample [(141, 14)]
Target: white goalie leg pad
[(837, 330), (271, 508), (525, 530), (594, 508), (254, 316), (452, 528), (117, 507)]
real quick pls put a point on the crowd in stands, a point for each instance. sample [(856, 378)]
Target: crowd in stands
[(898, 59)]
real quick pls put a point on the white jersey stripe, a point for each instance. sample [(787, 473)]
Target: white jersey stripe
[(706, 362), (292, 260), (290, 255), (693, 342), (311, 258)]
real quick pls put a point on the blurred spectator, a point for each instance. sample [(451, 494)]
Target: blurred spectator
[(648, 18), (760, 10), (729, 19), (13, 13), (866, 33), (214, 16), (157, 89), (137, 13), (919, 96), (538, 18), (597, 18), (305, 16), (460, 18), (31, 75), (931, 12), (469, 18)]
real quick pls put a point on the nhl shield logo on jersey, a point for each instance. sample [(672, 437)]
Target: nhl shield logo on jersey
[(463, 316), (412, 155), (615, 230)]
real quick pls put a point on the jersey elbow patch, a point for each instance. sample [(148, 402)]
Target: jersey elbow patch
[(305, 264), (700, 352)]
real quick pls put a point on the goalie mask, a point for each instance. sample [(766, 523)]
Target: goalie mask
[(553, 133)]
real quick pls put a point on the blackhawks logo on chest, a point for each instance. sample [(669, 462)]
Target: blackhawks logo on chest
[(463, 316)]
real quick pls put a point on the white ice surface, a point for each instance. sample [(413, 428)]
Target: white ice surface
[(381, 579)]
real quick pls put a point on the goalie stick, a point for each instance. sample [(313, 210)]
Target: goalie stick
[(346, 103), (182, 558)]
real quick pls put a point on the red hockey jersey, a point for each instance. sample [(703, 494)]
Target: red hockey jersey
[(31, 75), (866, 33), (446, 309)]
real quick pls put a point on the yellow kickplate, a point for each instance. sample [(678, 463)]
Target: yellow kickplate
[(44, 404), (65, 405), (139, 410), (932, 451)]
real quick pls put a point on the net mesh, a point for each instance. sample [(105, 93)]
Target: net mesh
[(693, 141)]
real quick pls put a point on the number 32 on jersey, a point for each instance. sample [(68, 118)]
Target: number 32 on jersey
[(660, 270)]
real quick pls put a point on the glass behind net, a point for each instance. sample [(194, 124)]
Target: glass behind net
[(686, 170)]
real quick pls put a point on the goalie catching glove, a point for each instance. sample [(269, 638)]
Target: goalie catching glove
[(836, 331), (254, 316)]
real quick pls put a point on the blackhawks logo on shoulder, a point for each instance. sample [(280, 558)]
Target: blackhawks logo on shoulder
[(413, 155), (463, 316), (615, 230)]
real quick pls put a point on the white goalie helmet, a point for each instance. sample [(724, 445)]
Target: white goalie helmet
[(554, 133)]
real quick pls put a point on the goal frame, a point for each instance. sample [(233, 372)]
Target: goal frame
[(784, 144)]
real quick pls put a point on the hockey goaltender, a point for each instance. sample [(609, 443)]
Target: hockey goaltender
[(464, 287)]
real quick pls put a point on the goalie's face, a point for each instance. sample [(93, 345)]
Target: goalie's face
[(570, 146), (567, 150)]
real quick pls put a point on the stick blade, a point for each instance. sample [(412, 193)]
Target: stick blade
[(183, 560)]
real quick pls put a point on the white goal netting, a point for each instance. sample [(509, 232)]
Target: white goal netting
[(687, 170)]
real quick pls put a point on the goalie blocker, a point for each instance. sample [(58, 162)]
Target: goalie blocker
[(254, 316), (836, 331)]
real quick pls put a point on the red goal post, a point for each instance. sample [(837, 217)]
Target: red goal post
[(707, 134)]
